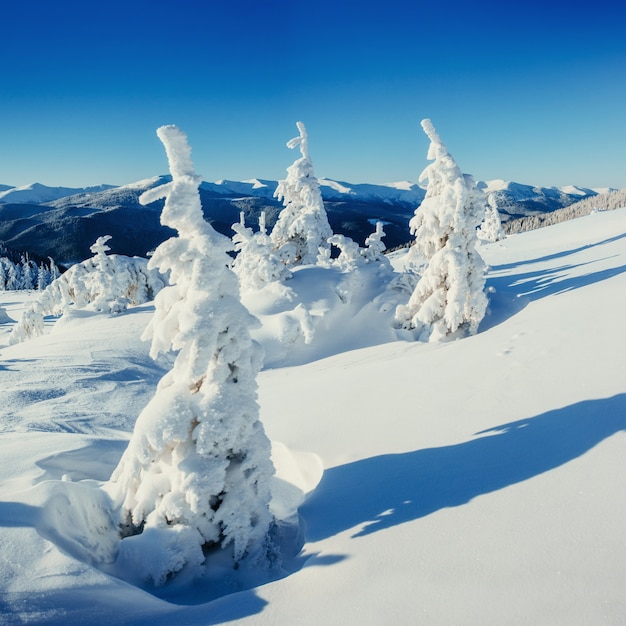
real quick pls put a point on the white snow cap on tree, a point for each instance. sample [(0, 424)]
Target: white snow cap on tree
[(302, 228), (449, 298), (196, 473)]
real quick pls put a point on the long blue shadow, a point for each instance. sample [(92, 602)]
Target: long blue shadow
[(383, 491), (18, 514), (510, 294), (538, 284), (562, 254)]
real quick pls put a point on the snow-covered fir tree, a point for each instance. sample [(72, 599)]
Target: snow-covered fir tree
[(196, 474), (256, 263), (449, 298), (491, 227), (302, 229), (13, 277), (28, 273), (20, 272)]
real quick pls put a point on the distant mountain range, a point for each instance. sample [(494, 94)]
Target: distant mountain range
[(63, 222)]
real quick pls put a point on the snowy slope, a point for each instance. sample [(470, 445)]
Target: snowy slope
[(475, 482)]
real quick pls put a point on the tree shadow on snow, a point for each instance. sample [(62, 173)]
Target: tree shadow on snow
[(383, 491), (562, 254), (511, 293)]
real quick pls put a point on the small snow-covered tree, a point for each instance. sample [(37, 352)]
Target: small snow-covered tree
[(54, 270), (196, 473), (449, 298), (256, 264), (302, 228), (491, 227), (374, 246), (28, 273), (43, 277), (13, 276)]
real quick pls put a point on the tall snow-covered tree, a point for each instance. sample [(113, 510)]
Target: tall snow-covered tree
[(449, 298), (196, 474), (302, 228)]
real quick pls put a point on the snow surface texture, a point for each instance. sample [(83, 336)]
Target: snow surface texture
[(472, 482), (448, 299)]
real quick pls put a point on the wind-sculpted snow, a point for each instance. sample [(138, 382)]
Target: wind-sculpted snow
[(92, 389)]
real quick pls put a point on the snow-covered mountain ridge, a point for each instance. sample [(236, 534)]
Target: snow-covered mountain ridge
[(36, 193), (63, 222), (403, 192)]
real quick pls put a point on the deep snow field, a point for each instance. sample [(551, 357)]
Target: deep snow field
[(475, 482)]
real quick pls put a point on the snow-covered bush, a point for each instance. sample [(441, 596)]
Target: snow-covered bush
[(196, 473), (102, 283), (302, 228), (256, 264), (449, 297), (351, 255)]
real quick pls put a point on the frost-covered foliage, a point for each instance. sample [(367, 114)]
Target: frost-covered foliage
[(196, 473), (351, 255), (25, 273), (491, 227), (302, 229), (256, 264), (102, 283), (602, 202), (374, 246), (449, 297)]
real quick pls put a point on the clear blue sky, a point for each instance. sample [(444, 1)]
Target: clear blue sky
[(517, 90)]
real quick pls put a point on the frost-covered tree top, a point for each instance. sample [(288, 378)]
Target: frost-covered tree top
[(99, 248), (197, 470), (302, 228), (449, 296)]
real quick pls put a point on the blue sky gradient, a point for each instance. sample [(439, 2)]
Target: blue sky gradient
[(517, 90)]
